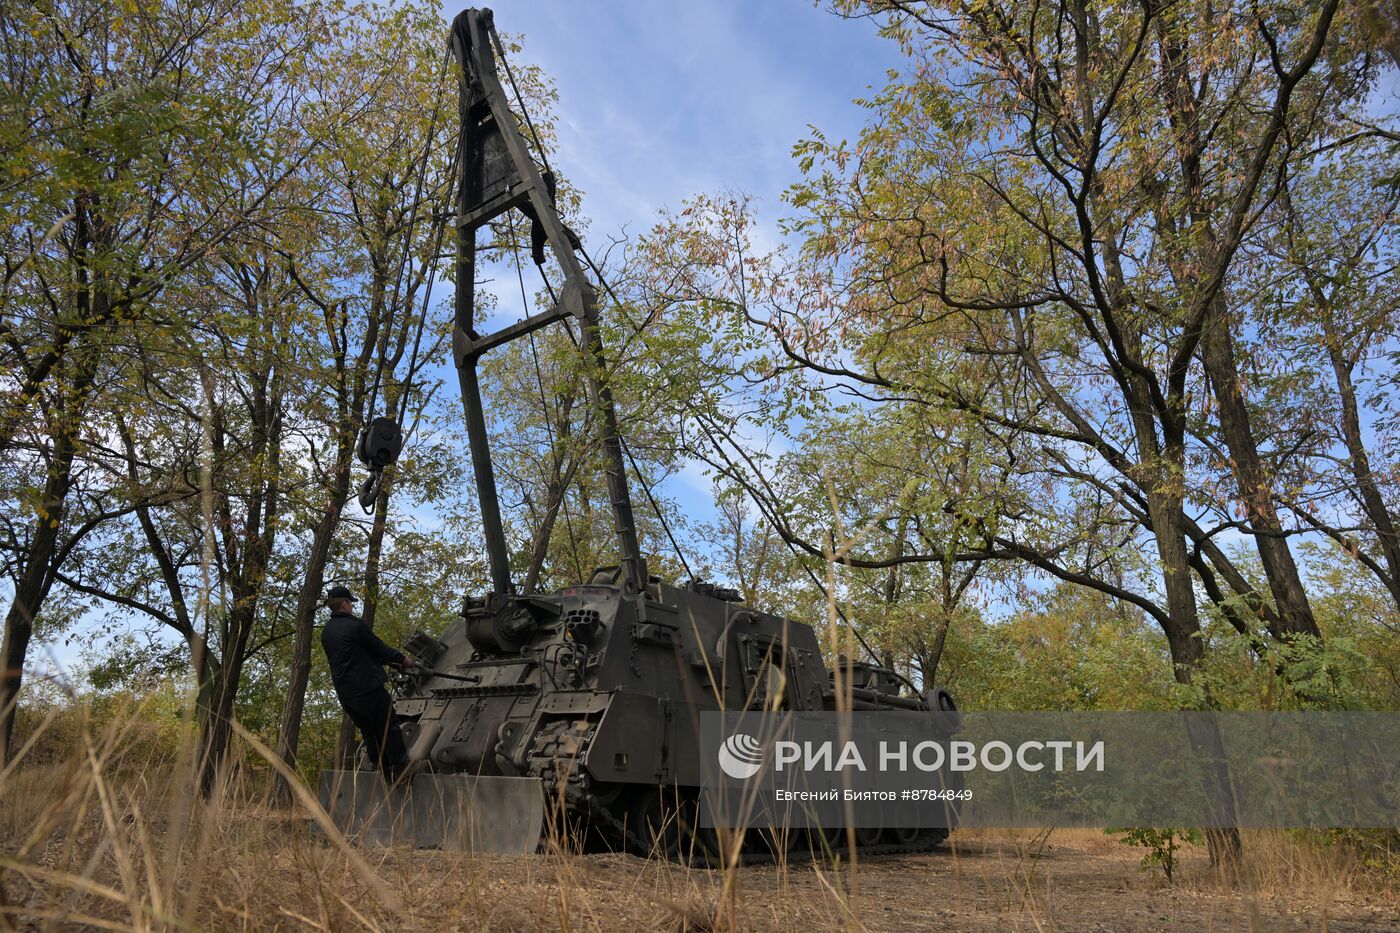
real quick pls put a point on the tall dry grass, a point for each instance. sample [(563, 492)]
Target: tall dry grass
[(112, 835), (100, 829)]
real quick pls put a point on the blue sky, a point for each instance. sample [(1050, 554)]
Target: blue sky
[(661, 100)]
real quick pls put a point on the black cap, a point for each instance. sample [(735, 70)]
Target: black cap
[(339, 591)]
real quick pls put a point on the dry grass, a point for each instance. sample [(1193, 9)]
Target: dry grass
[(110, 839)]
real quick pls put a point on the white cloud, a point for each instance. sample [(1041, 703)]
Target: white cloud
[(662, 100)]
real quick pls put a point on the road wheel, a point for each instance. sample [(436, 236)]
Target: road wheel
[(655, 819), (869, 836), (904, 835)]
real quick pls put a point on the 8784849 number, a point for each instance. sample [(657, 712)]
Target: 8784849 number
[(936, 794)]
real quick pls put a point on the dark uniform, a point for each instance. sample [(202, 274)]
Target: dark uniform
[(357, 658)]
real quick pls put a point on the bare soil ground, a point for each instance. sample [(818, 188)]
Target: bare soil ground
[(80, 852), (1075, 880)]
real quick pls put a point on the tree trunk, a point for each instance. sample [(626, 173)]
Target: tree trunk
[(19, 627), (308, 600), (248, 553), (1222, 839), (226, 678), (557, 488), (940, 639), (929, 667), (1256, 491), (1368, 494), (34, 583), (207, 680), (561, 475), (217, 728), (1183, 631)]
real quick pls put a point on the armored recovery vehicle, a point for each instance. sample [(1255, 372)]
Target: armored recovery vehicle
[(578, 708)]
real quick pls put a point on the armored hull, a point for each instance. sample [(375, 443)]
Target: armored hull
[(587, 702)]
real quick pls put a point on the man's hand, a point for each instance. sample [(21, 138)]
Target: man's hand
[(407, 664)]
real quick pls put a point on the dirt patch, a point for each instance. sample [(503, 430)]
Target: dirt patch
[(75, 865), (1073, 881)]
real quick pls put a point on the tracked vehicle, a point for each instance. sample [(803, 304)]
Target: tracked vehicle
[(576, 710)]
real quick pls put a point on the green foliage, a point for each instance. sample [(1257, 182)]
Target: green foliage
[(1072, 650), (1247, 672), (149, 723), (1161, 846), (1376, 851), (1353, 667)]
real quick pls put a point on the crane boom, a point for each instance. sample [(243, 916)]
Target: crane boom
[(498, 174)]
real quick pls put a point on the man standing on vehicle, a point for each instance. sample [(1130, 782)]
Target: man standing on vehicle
[(357, 658)]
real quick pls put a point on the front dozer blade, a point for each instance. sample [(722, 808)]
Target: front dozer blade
[(454, 812)]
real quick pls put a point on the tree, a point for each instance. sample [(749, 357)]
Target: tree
[(1333, 229), (1119, 256), (1038, 231), (121, 125), (367, 266)]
